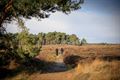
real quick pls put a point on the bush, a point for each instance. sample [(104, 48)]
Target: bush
[(72, 60)]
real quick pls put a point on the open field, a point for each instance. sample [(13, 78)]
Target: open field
[(94, 62), (85, 50)]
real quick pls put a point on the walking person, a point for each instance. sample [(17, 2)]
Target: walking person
[(56, 51), (62, 50)]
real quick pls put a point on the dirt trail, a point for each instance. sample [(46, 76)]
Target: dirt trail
[(58, 71), (67, 75), (58, 66)]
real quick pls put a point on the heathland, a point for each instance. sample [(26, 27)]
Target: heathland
[(86, 62)]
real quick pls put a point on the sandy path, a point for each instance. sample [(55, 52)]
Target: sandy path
[(58, 71), (68, 75)]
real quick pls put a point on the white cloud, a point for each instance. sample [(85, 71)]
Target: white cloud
[(47, 25)]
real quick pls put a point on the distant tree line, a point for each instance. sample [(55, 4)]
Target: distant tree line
[(57, 38), (47, 38)]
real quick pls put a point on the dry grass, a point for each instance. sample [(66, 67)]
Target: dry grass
[(47, 52), (98, 70), (85, 49)]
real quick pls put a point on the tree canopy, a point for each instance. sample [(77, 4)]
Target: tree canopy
[(13, 9)]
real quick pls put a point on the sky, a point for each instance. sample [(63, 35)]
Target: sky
[(98, 21)]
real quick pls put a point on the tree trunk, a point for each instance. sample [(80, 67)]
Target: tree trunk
[(4, 12)]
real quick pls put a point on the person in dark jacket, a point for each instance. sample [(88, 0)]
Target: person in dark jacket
[(56, 51), (62, 50)]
